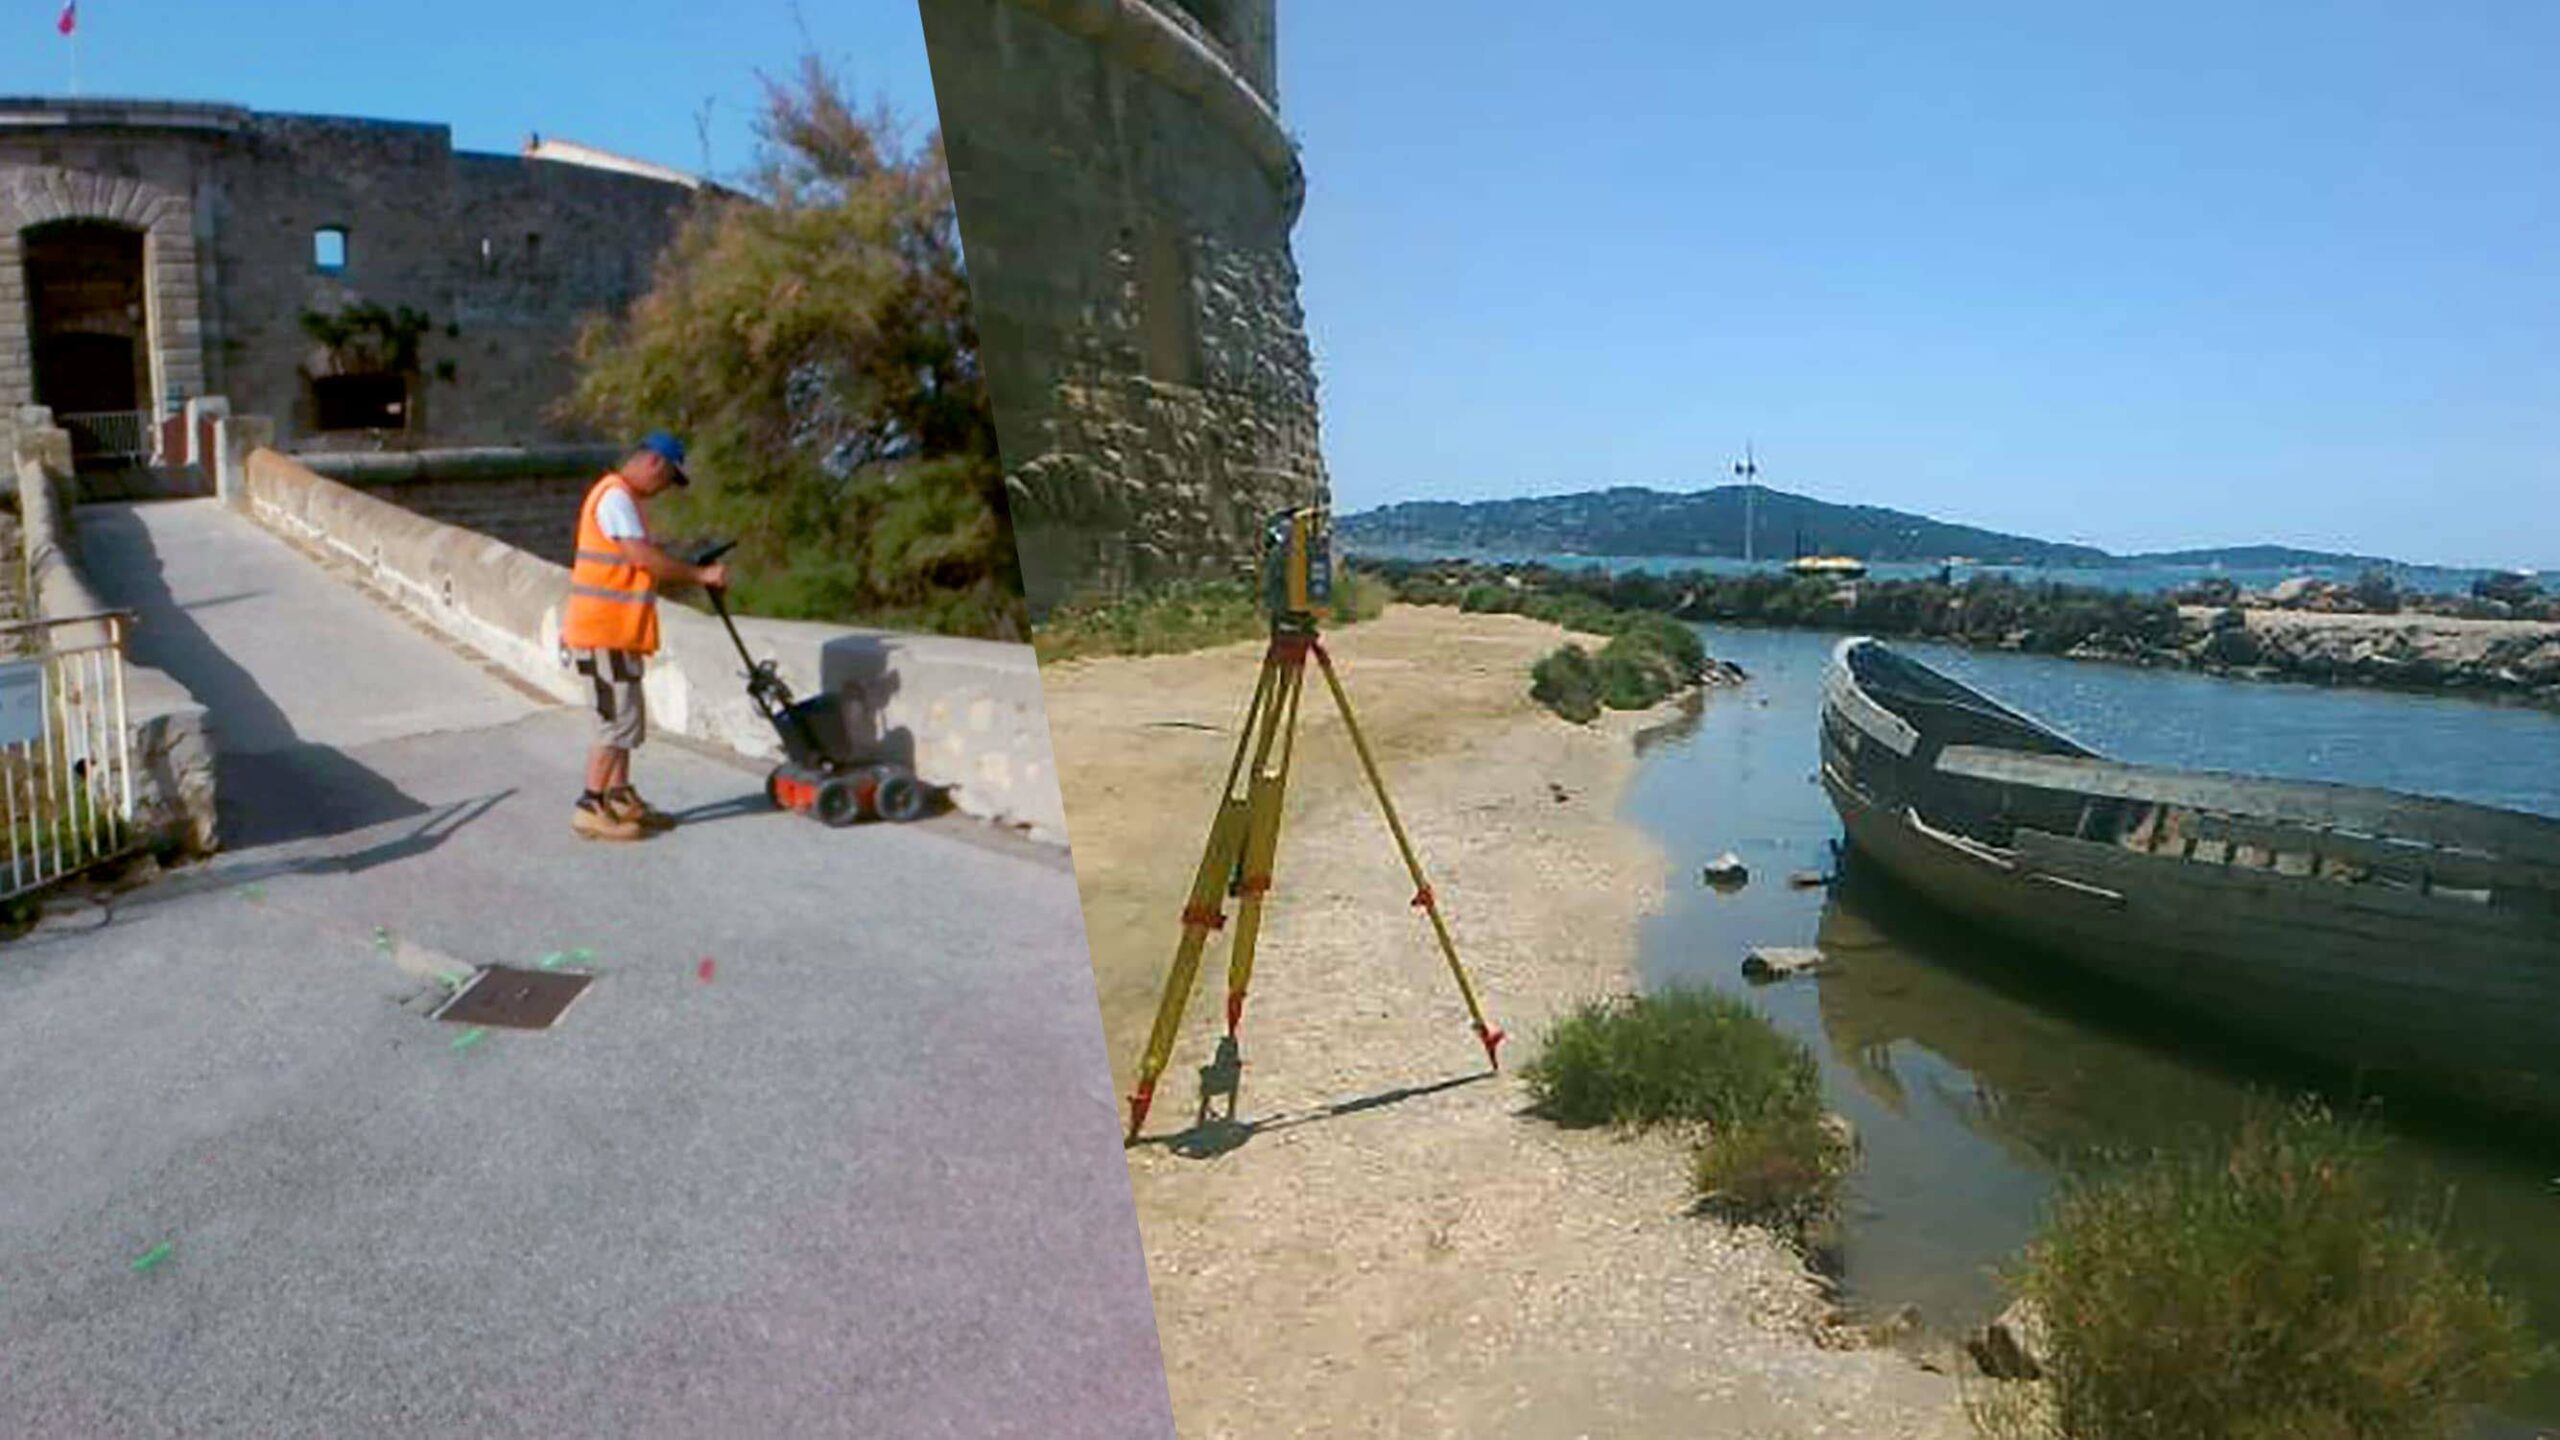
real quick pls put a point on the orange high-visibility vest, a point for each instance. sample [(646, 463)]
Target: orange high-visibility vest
[(612, 602)]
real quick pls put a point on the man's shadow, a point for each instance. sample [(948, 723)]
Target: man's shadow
[(270, 785), (433, 828)]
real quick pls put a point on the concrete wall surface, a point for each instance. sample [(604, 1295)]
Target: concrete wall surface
[(966, 714), (173, 791)]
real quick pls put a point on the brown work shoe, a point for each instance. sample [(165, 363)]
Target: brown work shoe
[(626, 804), (596, 822)]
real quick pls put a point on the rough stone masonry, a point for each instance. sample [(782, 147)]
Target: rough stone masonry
[(1126, 194), (153, 252)]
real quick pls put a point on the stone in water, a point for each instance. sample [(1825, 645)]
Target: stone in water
[(1777, 962)]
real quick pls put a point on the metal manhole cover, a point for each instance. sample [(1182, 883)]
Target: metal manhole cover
[(514, 999)]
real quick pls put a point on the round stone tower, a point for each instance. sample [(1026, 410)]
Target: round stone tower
[(1126, 193)]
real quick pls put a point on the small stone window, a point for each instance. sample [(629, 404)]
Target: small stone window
[(329, 249)]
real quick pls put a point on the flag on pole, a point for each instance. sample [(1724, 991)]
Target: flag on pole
[(70, 20)]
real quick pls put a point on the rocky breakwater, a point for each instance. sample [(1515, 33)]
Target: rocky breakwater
[(2506, 659)]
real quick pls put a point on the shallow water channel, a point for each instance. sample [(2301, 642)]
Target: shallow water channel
[(1974, 1070)]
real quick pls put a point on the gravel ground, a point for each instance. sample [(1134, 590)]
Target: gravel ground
[(1392, 1247)]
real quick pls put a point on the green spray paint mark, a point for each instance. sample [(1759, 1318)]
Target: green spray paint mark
[(151, 1257), (454, 982), (550, 961), (583, 956), (469, 1038)]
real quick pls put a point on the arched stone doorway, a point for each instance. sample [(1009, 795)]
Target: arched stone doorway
[(82, 246), (88, 328)]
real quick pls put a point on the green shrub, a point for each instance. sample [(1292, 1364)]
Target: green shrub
[(1182, 616), (1568, 683), (1783, 1172), (1763, 1151), (1361, 596), (821, 354), (2268, 1287), (1631, 676), (1677, 1056), (1170, 619)]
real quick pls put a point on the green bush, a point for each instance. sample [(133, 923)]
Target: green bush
[(1183, 616), (1677, 1056), (1631, 676), (1703, 1061), (818, 347), (1568, 683), (2271, 1286), (1783, 1172), (1170, 619)]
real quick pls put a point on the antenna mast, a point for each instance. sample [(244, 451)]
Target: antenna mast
[(1749, 469)]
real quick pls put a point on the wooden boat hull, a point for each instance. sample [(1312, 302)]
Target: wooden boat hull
[(2455, 987)]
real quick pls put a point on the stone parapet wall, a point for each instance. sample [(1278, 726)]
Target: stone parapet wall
[(1126, 195), (526, 496), (965, 713), (174, 795)]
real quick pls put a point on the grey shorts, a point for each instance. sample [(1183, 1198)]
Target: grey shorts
[(613, 693)]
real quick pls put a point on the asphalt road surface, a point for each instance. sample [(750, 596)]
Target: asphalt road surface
[(828, 1146)]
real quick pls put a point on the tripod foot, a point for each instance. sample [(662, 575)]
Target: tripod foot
[(1492, 1039), (1139, 1099)]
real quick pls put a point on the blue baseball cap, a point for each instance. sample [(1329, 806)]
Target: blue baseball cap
[(670, 449)]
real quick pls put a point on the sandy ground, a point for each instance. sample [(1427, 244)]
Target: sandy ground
[(1392, 1247)]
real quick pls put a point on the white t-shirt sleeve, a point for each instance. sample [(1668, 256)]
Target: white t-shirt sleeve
[(619, 517)]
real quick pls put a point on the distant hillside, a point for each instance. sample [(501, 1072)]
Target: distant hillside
[(2265, 557), (1635, 521)]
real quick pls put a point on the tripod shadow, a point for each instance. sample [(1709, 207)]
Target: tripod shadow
[(1212, 1135)]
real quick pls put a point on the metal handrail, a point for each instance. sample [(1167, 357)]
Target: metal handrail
[(126, 618)]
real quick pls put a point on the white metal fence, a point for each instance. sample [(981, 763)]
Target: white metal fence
[(66, 754), (121, 437)]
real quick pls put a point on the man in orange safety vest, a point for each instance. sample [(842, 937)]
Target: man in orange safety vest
[(610, 628)]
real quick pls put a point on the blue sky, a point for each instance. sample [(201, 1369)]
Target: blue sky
[(2143, 276), (626, 77)]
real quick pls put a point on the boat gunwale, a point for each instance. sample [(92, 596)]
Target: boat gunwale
[(2451, 828)]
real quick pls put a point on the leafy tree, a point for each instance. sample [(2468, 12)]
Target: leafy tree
[(2512, 588), (814, 341), (2376, 593)]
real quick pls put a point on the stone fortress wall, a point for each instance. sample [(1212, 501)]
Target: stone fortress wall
[(503, 253), (1126, 196)]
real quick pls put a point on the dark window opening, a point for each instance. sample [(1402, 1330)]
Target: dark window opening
[(329, 249), (89, 336), (360, 402), (532, 248)]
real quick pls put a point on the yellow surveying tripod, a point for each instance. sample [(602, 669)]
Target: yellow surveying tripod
[(1246, 834)]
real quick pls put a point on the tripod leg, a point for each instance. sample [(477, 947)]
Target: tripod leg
[(1423, 898), (1266, 793), (1206, 909)]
